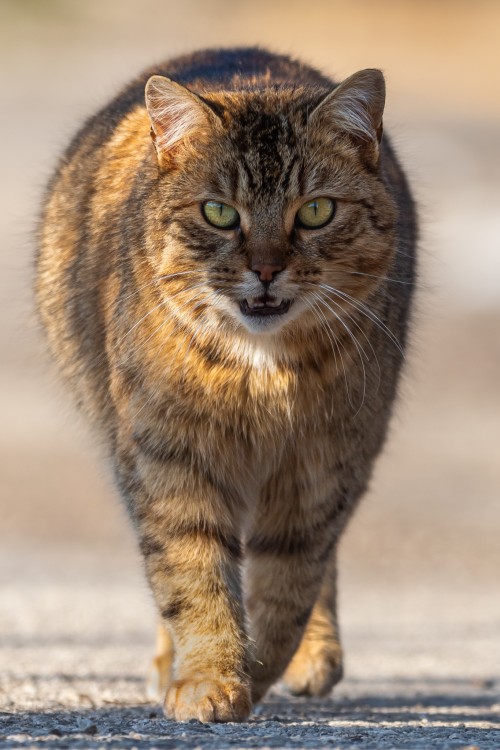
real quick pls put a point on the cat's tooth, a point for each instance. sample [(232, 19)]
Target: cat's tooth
[(253, 303), (274, 302)]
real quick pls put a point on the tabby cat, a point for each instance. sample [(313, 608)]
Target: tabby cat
[(224, 274)]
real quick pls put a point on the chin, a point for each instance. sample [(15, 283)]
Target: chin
[(266, 325), (269, 323)]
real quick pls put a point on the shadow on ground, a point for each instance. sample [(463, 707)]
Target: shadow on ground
[(454, 714)]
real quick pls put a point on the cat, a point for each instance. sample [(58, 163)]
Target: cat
[(225, 270)]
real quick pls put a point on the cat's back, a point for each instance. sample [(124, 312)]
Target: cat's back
[(238, 69)]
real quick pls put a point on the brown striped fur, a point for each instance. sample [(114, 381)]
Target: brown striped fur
[(241, 446)]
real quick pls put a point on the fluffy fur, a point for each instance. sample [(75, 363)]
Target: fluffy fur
[(240, 444)]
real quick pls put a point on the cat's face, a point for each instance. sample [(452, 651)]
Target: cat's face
[(274, 217)]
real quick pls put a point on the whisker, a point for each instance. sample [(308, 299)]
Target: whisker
[(156, 280), (334, 344), (374, 276), (365, 310), (162, 303), (142, 343), (138, 322), (162, 324), (315, 311), (360, 329), (190, 343), (369, 313), (337, 315), (359, 348)]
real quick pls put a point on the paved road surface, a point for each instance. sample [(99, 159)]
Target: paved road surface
[(74, 656)]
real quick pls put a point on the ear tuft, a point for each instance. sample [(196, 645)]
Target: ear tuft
[(176, 113), (356, 105)]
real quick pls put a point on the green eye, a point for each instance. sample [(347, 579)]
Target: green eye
[(316, 213), (220, 215)]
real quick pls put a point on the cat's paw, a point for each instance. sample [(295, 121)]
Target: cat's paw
[(314, 672), (207, 700)]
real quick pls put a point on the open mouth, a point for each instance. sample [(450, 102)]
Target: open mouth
[(264, 306)]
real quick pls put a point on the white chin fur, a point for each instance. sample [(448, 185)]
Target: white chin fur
[(265, 324)]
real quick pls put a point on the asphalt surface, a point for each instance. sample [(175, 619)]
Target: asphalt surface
[(74, 658)]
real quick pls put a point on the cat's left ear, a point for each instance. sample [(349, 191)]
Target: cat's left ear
[(177, 115), (356, 107)]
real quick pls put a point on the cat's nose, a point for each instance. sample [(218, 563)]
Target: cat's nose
[(266, 271)]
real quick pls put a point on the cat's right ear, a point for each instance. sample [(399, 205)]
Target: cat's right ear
[(177, 116)]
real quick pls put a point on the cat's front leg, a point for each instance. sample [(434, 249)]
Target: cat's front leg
[(317, 665), (287, 561), (191, 551)]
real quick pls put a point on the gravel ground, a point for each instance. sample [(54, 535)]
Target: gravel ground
[(74, 659), (383, 717)]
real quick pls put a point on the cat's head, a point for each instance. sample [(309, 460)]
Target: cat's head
[(270, 211)]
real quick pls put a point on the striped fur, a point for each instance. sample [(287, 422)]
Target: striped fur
[(240, 446)]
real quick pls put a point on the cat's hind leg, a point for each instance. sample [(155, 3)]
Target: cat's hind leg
[(317, 664), (160, 673)]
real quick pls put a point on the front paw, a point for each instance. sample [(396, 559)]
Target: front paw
[(314, 672), (208, 699)]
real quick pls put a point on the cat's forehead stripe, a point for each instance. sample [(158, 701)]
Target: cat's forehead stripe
[(264, 146)]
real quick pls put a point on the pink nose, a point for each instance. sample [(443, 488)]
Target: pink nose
[(266, 271)]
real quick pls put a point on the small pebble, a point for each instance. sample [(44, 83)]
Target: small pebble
[(55, 732)]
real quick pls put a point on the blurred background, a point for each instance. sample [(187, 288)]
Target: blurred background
[(423, 551)]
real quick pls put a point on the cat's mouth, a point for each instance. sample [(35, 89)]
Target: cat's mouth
[(262, 306)]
